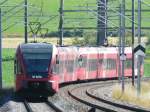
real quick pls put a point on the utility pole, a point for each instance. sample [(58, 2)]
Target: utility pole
[(101, 21), (139, 42), (26, 21), (133, 32), (106, 41), (0, 49), (61, 22), (123, 56), (120, 34)]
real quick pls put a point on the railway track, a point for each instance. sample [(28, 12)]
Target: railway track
[(81, 97), (46, 106), (84, 94), (27, 106), (90, 93)]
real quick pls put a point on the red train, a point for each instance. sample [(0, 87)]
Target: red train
[(45, 66)]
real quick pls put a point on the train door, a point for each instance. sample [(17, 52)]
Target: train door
[(19, 76), (92, 63), (110, 65), (70, 63), (59, 68), (74, 63), (100, 64), (109, 62), (82, 64)]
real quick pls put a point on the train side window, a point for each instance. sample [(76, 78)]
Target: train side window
[(70, 66), (80, 61), (57, 59), (58, 68), (109, 64), (92, 65), (100, 61), (55, 68)]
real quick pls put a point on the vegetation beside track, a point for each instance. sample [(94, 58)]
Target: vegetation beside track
[(8, 73), (8, 67), (130, 94), (147, 62), (14, 42)]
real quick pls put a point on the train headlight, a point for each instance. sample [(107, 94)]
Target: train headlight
[(33, 77), (36, 77)]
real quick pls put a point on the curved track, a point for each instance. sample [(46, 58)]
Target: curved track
[(84, 94), (46, 106), (82, 97), (90, 93)]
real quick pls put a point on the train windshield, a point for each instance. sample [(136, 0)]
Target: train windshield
[(37, 60)]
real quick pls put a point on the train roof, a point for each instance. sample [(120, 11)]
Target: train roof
[(36, 47)]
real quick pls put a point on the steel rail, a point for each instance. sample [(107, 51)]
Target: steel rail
[(93, 106), (131, 108), (53, 106), (27, 106)]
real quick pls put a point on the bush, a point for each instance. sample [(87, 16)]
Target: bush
[(112, 33), (89, 38), (67, 33), (148, 41), (129, 41)]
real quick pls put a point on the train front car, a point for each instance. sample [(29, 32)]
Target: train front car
[(32, 66)]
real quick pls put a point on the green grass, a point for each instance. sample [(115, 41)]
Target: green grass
[(51, 7), (8, 67), (8, 53), (8, 73), (147, 62), (148, 50), (146, 69)]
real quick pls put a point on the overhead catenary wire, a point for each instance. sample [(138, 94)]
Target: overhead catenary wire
[(1, 3), (120, 14), (9, 17), (41, 11), (11, 9), (142, 1), (91, 10), (45, 22), (49, 19), (10, 26), (128, 28), (102, 18), (32, 16)]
